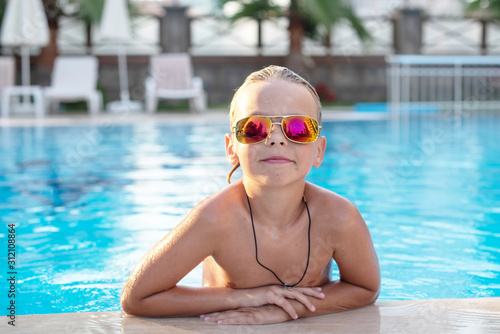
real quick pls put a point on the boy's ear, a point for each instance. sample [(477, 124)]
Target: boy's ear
[(320, 151), (230, 151)]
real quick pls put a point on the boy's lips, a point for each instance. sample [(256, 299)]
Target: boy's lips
[(277, 160)]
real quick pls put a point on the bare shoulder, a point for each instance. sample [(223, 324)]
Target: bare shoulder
[(217, 210), (332, 209), (329, 203)]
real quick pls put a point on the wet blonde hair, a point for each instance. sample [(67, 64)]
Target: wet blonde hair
[(268, 74)]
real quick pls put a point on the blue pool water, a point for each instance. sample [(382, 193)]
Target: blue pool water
[(88, 201)]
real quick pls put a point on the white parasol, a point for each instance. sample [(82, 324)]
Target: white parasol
[(25, 24), (115, 27)]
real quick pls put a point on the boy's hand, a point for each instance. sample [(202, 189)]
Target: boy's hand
[(277, 295), (267, 314)]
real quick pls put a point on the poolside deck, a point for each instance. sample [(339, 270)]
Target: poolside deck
[(475, 316), (213, 115)]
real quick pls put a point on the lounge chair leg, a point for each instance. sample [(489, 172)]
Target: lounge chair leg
[(193, 105), (55, 105), (93, 105), (39, 103), (99, 101), (5, 102), (48, 104), (199, 103), (151, 104)]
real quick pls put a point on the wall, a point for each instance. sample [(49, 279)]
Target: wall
[(353, 79)]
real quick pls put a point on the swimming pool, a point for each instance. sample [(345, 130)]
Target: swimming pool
[(88, 201)]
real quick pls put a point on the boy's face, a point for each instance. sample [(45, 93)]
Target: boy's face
[(276, 160)]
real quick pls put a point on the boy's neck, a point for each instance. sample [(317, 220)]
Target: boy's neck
[(276, 206)]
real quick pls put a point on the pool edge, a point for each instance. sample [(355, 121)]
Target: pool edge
[(477, 315), (215, 115)]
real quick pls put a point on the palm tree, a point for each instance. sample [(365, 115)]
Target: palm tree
[(3, 4), (485, 10), (87, 11), (311, 18)]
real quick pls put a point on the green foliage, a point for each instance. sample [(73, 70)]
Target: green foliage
[(257, 10), (53, 9), (90, 11), (483, 9), (323, 15), (3, 4), (318, 17)]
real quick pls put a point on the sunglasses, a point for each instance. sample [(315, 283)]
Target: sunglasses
[(296, 128)]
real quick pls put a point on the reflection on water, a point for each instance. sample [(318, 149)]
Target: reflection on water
[(428, 200), (88, 202)]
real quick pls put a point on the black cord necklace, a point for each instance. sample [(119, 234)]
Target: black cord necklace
[(308, 245)]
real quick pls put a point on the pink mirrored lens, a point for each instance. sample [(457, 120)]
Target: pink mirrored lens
[(300, 129)]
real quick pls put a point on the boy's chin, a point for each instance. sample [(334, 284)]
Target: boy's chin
[(277, 180)]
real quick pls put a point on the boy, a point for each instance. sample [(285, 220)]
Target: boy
[(267, 240)]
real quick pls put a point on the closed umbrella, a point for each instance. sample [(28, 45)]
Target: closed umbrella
[(25, 24), (115, 27)]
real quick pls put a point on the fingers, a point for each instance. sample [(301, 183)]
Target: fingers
[(239, 320), (231, 317), (286, 306), (235, 320), (299, 294), (210, 315), (300, 297), (312, 292), (250, 315), (273, 305)]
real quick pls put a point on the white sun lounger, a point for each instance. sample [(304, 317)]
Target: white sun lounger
[(75, 79), (172, 78)]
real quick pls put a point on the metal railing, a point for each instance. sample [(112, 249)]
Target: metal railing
[(437, 83), (212, 36), (209, 35), (451, 35), (72, 38)]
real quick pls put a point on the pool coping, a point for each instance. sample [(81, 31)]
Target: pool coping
[(211, 116), (470, 315)]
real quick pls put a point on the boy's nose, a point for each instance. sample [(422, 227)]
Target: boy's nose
[(276, 136)]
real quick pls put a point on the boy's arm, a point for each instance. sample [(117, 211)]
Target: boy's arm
[(339, 296), (359, 282), (151, 289)]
